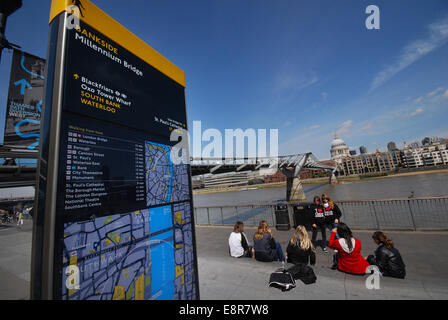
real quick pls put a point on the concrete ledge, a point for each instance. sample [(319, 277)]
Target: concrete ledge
[(224, 277)]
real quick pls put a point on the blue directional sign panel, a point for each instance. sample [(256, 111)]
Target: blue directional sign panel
[(123, 211), (24, 105)]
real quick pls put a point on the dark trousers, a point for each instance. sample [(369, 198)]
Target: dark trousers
[(323, 232), (279, 256), (248, 252)]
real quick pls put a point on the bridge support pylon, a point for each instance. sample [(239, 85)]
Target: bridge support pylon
[(294, 189), (333, 178)]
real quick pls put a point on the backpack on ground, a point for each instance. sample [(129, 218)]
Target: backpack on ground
[(303, 272), (282, 279)]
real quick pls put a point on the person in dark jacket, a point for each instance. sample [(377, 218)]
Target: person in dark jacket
[(267, 249), (332, 212), (318, 221), (332, 215), (300, 249), (387, 258)]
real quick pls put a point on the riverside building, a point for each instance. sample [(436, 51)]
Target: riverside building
[(413, 156), (370, 163), (339, 149), (425, 156)]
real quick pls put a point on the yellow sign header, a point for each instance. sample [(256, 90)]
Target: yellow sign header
[(98, 19)]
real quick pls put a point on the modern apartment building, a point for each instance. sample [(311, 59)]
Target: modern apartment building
[(370, 163), (425, 156), (411, 157)]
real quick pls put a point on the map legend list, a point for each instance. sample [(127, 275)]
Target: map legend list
[(101, 170)]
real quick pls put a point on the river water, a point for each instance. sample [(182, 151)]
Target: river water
[(421, 185)]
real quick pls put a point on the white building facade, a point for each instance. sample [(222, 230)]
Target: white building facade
[(431, 155), (339, 149)]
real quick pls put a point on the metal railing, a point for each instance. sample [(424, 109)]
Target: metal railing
[(429, 214), (251, 215)]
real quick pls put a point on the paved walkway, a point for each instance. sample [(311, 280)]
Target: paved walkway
[(223, 277), (15, 261)]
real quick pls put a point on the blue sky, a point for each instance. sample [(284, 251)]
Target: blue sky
[(307, 68)]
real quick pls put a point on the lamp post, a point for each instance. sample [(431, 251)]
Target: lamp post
[(7, 7)]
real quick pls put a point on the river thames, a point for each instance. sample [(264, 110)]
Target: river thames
[(419, 185)]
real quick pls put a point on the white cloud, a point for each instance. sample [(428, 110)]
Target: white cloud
[(314, 127), (412, 114), (294, 80), (324, 96), (367, 127), (345, 127), (418, 100), (434, 92), (307, 141), (445, 95), (438, 36)]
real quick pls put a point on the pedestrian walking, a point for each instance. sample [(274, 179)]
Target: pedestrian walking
[(20, 219)]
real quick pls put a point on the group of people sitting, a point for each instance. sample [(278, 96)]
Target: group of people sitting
[(301, 250)]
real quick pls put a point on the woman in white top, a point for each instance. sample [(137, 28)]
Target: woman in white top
[(238, 244)]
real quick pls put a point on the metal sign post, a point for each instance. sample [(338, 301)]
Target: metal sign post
[(114, 216)]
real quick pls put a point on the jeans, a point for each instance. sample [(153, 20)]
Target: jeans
[(279, 252), (323, 232), (332, 226), (335, 259)]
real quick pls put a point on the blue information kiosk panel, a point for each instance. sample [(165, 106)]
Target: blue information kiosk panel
[(117, 204)]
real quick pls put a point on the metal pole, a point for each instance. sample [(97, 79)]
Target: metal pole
[(376, 217), (208, 216), (412, 215), (255, 221), (3, 19), (222, 217), (42, 272)]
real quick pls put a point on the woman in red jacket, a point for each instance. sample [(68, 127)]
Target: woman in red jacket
[(349, 250)]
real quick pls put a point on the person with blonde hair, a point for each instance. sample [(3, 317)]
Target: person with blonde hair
[(267, 249), (300, 248), (332, 215), (332, 212)]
